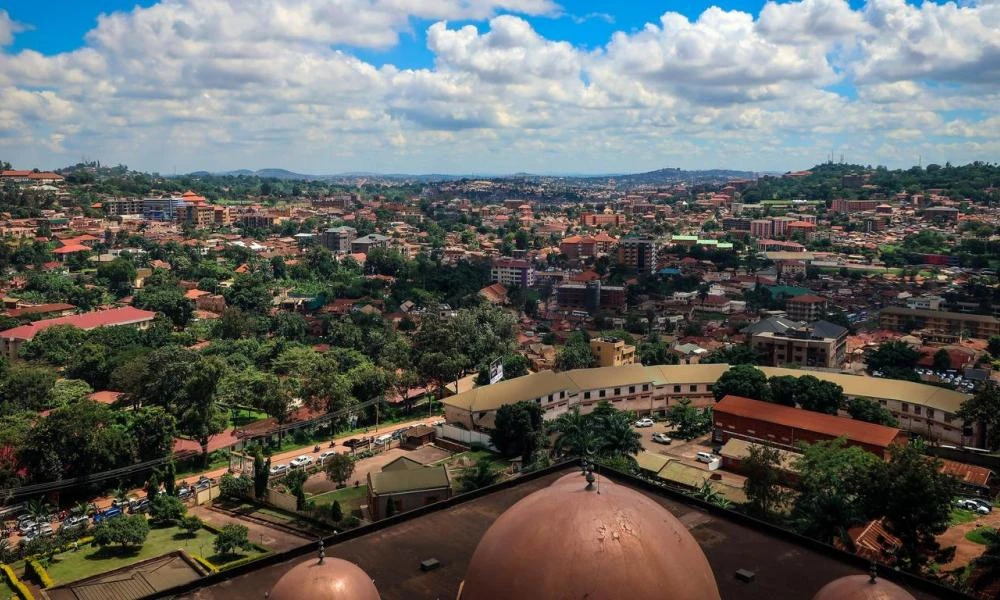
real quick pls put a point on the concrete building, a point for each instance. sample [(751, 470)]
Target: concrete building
[(786, 427), (925, 302), (512, 271), (367, 243), (122, 206), (928, 410), (899, 318), (591, 296), (788, 342), (761, 228), (806, 307), (848, 206), (612, 352), (338, 239), (407, 485), (602, 219), (160, 209), (637, 254)]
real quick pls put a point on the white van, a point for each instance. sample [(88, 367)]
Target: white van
[(383, 439), (706, 457)]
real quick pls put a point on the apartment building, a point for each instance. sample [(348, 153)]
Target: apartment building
[(512, 271), (160, 209), (899, 318), (591, 296), (338, 239), (788, 342), (806, 307), (761, 228), (257, 220), (848, 206), (637, 254), (576, 247), (602, 219), (367, 243), (612, 352), (122, 206)]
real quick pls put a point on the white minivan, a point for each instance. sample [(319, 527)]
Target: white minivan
[(383, 439), (705, 457)]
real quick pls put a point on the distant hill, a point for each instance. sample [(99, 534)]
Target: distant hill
[(664, 176)]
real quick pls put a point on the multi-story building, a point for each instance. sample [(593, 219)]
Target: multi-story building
[(783, 341), (928, 410), (940, 213), (637, 254), (512, 271), (367, 243), (122, 206), (601, 219), (591, 296), (160, 209), (846, 206), (257, 220), (338, 239), (340, 201), (585, 246), (761, 228), (806, 307), (196, 215), (740, 224), (779, 226), (612, 352), (899, 318), (925, 302)]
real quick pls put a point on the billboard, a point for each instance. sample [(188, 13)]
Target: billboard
[(496, 371)]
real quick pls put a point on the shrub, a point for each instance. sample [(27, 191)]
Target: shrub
[(16, 584), (350, 522), (166, 509), (33, 568), (336, 512), (231, 538), (204, 562)]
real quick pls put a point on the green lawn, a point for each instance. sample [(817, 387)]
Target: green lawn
[(5, 592), (349, 497), (87, 561), (960, 515), (976, 535)]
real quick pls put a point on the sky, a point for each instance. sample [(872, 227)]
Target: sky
[(497, 86)]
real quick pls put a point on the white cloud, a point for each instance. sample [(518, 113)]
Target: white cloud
[(8, 27)]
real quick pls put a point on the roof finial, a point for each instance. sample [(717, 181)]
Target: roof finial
[(872, 573), (322, 554)]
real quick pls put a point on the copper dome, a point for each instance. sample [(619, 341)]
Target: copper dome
[(862, 587), (566, 542), (326, 579)]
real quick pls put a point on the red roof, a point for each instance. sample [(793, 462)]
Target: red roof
[(14, 173), (807, 299), (73, 248), (854, 430), (125, 315), (39, 309)]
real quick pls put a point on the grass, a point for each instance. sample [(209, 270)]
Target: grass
[(5, 592), (88, 561), (349, 497), (960, 515), (976, 535)]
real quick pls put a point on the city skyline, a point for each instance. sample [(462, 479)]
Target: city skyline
[(498, 86)]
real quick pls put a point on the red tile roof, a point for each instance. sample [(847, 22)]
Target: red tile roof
[(807, 299), (102, 318), (39, 309), (854, 430), (71, 249)]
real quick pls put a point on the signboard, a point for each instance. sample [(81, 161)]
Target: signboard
[(496, 371)]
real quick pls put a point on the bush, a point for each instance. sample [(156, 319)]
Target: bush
[(350, 522), (16, 584), (34, 569), (238, 562), (235, 487), (191, 524), (204, 562), (231, 538), (336, 512)]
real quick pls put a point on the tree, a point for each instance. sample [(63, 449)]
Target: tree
[(817, 395), (67, 391), (833, 481), (166, 509), (153, 485), (984, 408), (169, 478), (235, 487), (689, 422), (518, 430), (764, 493), (127, 531), (441, 369), (26, 388), (736, 354), (783, 389), (171, 302), (339, 468), (231, 538), (154, 431), (993, 346), (865, 409), (575, 434), (743, 380), (654, 351), (191, 524), (55, 345), (482, 475), (261, 473), (616, 436), (119, 276), (941, 360), (296, 481), (895, 359)]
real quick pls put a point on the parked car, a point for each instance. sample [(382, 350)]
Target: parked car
[(662, 438), (110, 513), (139, 506), (301, 461), (644, 422), (352, 442), (25, 526), (184, 492), (705, 457), (437, 423), (325, 455), (73, 523), (980, 503), (279, 469)]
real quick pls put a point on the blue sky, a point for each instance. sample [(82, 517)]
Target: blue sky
[(538, 85)]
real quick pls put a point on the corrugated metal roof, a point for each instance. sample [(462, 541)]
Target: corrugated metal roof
[(408, 480)]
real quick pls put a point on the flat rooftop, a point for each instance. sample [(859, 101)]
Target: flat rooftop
[(391, 555)]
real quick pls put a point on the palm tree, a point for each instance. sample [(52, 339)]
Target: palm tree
[(38, 509), (576, 434), (617, 438), (81, 509), (481, 476), (711, 495)]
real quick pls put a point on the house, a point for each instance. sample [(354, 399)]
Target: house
[(366, 243), (494, 293), (612, 352), (421, 435), (407, 487), (12, 339)]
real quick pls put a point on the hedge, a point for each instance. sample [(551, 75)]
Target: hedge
[(33, 566), (204, 562), (239, 562), (15, 583)]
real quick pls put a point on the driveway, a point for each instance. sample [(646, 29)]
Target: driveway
[(273, 539), (966, 551), (685, 452)]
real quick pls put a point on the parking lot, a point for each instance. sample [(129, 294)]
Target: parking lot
[(684, 452)]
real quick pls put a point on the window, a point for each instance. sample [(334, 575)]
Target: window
[(645, 387), (906, 407), (948, 417), (693, 388), (551, 397), (930, 413), (709, 387), (618, 391), (917, 409), (603, 393), (586, 395), (677, 389), (631, 389)]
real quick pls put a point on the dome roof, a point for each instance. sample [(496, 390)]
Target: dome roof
[(862, 587), (326, 579), (567, 542)]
